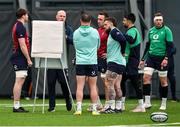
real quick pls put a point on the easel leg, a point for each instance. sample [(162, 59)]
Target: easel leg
[(45, 71), (36, 87), (70, 94)]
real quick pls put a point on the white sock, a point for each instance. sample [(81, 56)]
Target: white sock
[(118, 104), (163, 102), (147, 99), (106, 105), (16, 104), (94, 107), (123, 99), (112, 104), (98, 101), (79, 106), (141, 103)]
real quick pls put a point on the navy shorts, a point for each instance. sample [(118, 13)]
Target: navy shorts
[(114, 67), (87, 70), (19, 62), (102, 65), (155, 62)]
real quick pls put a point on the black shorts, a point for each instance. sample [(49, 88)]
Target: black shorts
[(87, 70), (102, 65), (132, 66), (155, 62), (114, 67)]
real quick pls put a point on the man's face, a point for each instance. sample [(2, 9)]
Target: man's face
[(100, 20), (158, 22), (26, 17), (125, 22), (107, 25), (61, 16)]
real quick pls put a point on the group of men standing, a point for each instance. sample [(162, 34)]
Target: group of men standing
[(107, 50)]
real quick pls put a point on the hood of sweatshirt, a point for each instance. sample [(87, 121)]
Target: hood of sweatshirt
[(85, 30)]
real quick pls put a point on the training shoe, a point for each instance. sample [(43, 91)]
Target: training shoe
[(109, 110), (51, 109), (139, 109), (99, 107), (163, 107), (78, 113), (117, 110), (20, 110), (95, 113), (68, 104), (147, 106), (175, 100)]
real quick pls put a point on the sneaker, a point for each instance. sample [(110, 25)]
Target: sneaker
[(117, 110), (95, 113), (78, 113), (147, 106), (139, 109), (109, 110), (27, 98), (99, 107), (89, 109), (20, 110), (175, 100), (68, 104), (51, 109), (163, 107)]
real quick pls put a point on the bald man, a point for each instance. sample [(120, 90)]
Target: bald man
[(57, 74)]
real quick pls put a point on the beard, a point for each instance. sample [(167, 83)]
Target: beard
[(125, 26), (108, 30)]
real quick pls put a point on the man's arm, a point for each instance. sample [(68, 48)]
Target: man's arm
[(25, 50), (118, 36), (69, 35), (145, 51)]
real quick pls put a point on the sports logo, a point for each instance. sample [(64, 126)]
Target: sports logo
[(155, 37)]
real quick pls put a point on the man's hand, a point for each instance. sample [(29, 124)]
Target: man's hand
[(164, 63), (141, 64), (104, 55), (29, 63)]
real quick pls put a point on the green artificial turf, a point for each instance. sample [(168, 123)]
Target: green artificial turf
[(61, 117)]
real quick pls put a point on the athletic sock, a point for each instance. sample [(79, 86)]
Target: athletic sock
[(141, 103), (123, 99), (164, 91), (112, 104), (163, 102), (147, 100), (98, 101), (94, 107), (16, 104), (118, 104), (79, 106), (146, 89)]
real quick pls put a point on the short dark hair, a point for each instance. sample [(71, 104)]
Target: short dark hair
[(85, 17), (112, 19), (104, 13), (158, 14), (20, 12), (131, 17)]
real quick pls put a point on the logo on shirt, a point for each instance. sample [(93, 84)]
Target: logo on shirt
[(155, 37)]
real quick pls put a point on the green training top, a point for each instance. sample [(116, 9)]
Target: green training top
[(158, 37), (134, 33)]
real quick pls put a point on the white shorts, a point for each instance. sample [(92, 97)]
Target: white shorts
[(21, 74), (149, 71)]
